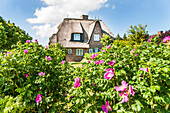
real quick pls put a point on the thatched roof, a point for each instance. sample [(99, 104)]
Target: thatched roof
[(71, 25), (105, 29), (91, 27), (75, 45)]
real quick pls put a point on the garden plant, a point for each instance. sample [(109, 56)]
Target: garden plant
[(124, 79), (34, 78), (120, 78)]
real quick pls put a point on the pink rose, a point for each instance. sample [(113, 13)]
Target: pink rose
[(123, 87), (26, 51), (26, 75), (39, 98), (106, 107), (28, 41), (36, 40), (109, 74), (77, 82)]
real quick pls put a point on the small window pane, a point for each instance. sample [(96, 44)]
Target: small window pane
[(96, 37), (79, 52), (76, 36), (90, 50), (96, 50), (69, 51)]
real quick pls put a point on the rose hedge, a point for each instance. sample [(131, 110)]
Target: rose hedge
[(101, 84), (33, 79)]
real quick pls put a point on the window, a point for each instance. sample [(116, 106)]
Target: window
[(79, 52), (96, 50), (90, 50), (69, 51), (77, 37), (96, 37)]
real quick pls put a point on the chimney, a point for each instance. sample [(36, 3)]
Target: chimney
[(84, 17), (160, 32)]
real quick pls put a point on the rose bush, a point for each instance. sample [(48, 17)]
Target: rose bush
[(120, 78), (33, 79), (129, 79)]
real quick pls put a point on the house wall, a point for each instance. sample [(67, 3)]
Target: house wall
[(73, 57), (64, 36), (92, 44), (96, 44)]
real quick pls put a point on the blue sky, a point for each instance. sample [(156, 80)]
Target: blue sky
[(40, 18)]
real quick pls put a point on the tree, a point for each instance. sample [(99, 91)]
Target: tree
[(11, 34), (137, 33), (124, 37), (118, 37)]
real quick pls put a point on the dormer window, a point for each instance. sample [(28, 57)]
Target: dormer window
[(96, 37), (76, 37)]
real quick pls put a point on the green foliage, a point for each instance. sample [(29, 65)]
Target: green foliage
[(151, 88), (10, 104), (118, 37), (11, 34), (124, 37), (152, 94), (155, 39), (122, 43), (106, 40), (23, 90), (137, 33)]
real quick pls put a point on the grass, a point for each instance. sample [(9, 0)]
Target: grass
[(78, 64)]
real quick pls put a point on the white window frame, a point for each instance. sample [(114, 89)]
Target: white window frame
[(76, 37), (96, 49), (69, 51), (79, 52), (90, 50), (96, 37)]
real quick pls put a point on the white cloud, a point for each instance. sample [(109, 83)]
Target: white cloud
[(49, 17), (44, 30), (113, 7)]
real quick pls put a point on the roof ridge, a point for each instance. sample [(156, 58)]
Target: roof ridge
[(81, 19), (92, 22)]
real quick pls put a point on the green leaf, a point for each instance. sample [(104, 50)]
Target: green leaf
[(166, 99), (77, 101), (165, 69), (168, 82), (136, 107), (154, 88)]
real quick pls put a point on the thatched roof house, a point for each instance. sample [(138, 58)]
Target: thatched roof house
[(80, 36)]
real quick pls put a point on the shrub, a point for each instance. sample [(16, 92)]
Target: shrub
[(122, 43), (32, 77), (123, 79), (11, 34), (137, 33), (120, 78), (106, 40)]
